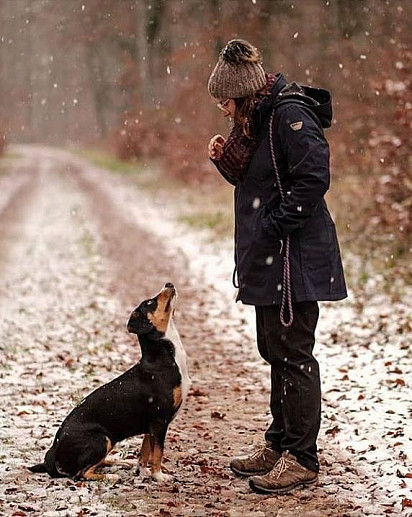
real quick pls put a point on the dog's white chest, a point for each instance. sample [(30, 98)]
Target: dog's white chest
[(180, 357)]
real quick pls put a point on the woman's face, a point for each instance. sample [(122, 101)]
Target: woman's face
[(228, 107)]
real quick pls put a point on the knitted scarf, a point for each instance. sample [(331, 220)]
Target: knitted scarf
[(239, 148)]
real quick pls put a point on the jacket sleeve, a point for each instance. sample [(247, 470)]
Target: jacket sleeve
[(236, 154), (307, 153), (226, 175)]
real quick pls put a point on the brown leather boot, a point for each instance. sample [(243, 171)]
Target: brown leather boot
[(260, 461), (285, 475)]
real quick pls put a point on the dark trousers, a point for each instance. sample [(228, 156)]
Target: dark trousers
[(295, 395)]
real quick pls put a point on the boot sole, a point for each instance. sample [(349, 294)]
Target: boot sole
[(248, 474), (283, 490)]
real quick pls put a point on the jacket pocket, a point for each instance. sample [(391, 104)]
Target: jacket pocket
[(316, 245), (259, 264)]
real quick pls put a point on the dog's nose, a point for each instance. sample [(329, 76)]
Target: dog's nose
[(169, 285)]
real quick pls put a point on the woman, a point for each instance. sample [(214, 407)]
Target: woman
[(286, 250)]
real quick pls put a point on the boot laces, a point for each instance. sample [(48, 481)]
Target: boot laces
[(280, 467), (259, 452)]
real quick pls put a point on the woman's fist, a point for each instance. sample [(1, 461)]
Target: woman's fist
[(216, 146)]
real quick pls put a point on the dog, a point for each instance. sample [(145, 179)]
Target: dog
[(144, 400)]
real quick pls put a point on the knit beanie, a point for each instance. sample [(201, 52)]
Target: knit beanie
[(238, 72)]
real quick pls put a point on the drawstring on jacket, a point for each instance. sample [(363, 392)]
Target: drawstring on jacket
[(286, 281), (234, 278)]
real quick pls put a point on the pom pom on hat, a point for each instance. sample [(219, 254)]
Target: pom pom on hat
[(238, 72)]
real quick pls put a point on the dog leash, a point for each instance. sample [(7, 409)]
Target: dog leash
[(286, 300)]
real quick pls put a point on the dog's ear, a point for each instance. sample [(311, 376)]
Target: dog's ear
[(139, 324)]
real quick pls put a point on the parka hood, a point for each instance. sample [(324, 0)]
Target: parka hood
[(318, 100)]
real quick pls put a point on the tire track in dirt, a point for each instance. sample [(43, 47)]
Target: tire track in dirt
[(15, 184), (53, 343), (89, 345)]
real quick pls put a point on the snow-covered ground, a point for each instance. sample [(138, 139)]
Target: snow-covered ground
[(365, 359), (364, 354)]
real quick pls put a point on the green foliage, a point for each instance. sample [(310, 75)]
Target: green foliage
[(110, 162), (220, 222)]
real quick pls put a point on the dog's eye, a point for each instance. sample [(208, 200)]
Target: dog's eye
[(149, 302)]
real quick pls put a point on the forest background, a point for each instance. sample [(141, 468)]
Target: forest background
[(130, 77)]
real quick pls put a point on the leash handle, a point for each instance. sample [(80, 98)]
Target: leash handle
[(286, 300)]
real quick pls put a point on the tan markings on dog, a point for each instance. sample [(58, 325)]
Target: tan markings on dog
[(145, 451), (160, 317), (177, 397), (156, 462), (90, 473)]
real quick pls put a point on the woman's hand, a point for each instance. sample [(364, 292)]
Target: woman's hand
[(216, 146)]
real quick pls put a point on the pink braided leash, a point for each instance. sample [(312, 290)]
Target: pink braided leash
[(286, 300)]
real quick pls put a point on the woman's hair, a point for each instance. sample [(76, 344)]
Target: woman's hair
[(245, 107)]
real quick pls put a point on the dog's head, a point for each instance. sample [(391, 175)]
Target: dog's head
[(155, 313)]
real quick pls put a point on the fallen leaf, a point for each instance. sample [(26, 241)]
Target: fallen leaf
[(333, 431), (198, 393), (406, 503)]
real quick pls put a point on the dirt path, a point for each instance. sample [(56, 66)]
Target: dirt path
[(75, 261)]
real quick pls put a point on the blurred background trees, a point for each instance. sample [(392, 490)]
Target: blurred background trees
[(132, 74)]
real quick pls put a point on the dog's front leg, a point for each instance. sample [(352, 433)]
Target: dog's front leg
[(145, 457), (157, 445), (116, 463)]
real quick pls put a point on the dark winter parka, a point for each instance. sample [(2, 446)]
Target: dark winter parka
[(262, 220)]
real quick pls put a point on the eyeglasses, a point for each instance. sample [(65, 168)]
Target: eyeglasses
[(222, 105)]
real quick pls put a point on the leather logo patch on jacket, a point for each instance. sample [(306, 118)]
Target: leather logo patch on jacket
[(297, 125)]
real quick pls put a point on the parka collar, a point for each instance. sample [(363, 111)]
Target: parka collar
[(265, 105)]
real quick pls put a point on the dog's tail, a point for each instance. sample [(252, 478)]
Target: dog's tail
[(40, 467)]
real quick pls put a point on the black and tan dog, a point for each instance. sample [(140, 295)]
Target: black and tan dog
[(144, 400)]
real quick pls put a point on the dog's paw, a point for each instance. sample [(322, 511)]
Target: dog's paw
[(161, 477), (125, 464), (111, 479), (143, 472)]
